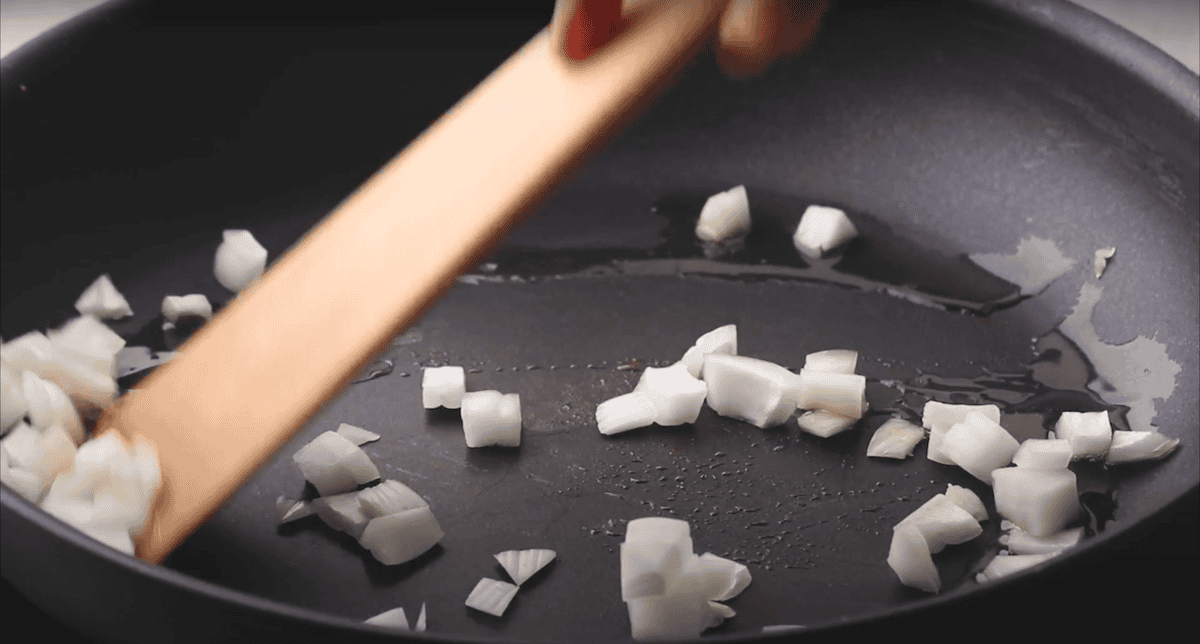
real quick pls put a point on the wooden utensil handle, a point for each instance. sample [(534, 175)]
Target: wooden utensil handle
[(250, 378)]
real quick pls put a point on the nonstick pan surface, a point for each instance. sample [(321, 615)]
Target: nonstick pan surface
[(948, 132)]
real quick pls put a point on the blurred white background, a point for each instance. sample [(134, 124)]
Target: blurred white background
[(1172, 25)]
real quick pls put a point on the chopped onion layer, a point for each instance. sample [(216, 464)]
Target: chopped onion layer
[(402, 537), (1022, 543), (939, 417), (832, 361), (968, 501), (719, 340), (334, 464), (942, 523), (342, 512), (389, 497), (1089, 433), (1043, 454), (291, 509), (1130, 447), (761, 393), (841, 394), (823, 423), (357, 435), (677, 396), (443, 387), (895, 438), (979, 445), (177, 306), (626, 412), (491, 596), (909, 558), (49, 406), (821, 230), (394, 618), (523, 564), (103, 300), (240, 260), (1041, 502), (724, 215), (491, 418), (1004, 565)]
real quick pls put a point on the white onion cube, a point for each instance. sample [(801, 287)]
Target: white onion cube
[(668, 617), (1041, 502), (942, 522), (342, 512), (491, 418), (334, 464), (841, 394), (1088, 432), (523, 564), (57, 453), (719, 340), (909, 558), (291, 509), (650, 568), (103, 300), (715, 578), (240, 260), (49, 405), (979, 446), (1129, 447), (939, 417), (23, 445), (659, 529), (443, 387), (823, 423), (1022, 543), (356, 435), (833, 361), (1004, 565), (177, 306), (24, 482), (394, 618), (389, 497), (724, 215), (402, 537), (895, 438), (625, 412), (821, 230), (491, 596), (967, 500), (758, 392), (677, 395), (1043, 454)]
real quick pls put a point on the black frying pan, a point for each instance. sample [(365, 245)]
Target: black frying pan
[(131, 137)]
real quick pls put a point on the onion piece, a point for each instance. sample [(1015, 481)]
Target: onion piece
[(177, 306), (1022, 543), (89, 341), (1130, 447), (979, 446), (1041, 502), (1004, 565), (394, 618), (103, 300), (841, 394), (942, 522), (23, 445), (240, 260), (659, 529), (761, 393), (420, 627), (650, 568), (398, 538), (718, 613), (967, 500), (626, 412), (333, 464), (13, 405), (357, 435), (939, 417), (291, 509), (832, 361), (1089, 433), (491, 596), (714, 577), (668, 617), (523, 564), (1043, 454), (909, 558), (57, 453), (895, 438), (719, 340), (49, 405), (823, 423), (342, 512), (443, 387), (114, 538), (389, 497), (677, 396), (491, 418), (724, 215), (821, 230)]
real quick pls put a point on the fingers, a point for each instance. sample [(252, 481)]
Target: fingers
[(753, 33), (584, 26)]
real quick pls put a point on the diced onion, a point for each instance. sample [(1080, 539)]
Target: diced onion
[(718, 613), (910, 559), (240, 260), (939, 417), (491, 418), (1041, 502), (342, 512), (394, 618), (1089, 433), (719, 340), (895, 438), (491, 596), (1004, 565), (177, 306), (523, 564), (841, 394), (103, 300), (659, 529), (979, 446), (761, 393), (668, 617), (833, 361), (821, 230), (57, 453), (291, 509), (823, 423), (1022, 543), (420, 627), (942, 522), (357, 435), (1043, 454), (650, 568), (1130, 447), (443, 387), (724, 215), (677, 395), (625, 412), (49, 405), (398, 538), (389, 497), (23, 445), (968, 501), (334, 464)]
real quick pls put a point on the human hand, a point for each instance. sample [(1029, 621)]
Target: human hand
[(752, 33)]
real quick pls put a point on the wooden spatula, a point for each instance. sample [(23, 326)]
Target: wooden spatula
[(252, 376)]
